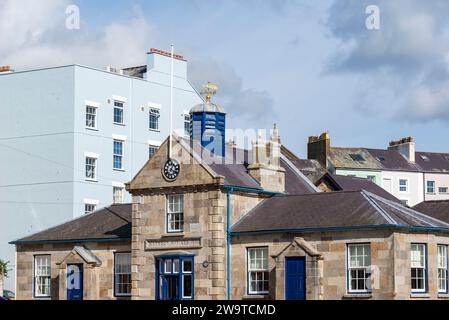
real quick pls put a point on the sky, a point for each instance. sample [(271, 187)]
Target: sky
[(309, 66)]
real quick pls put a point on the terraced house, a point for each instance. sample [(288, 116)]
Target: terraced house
[(409, 175), (227, 223)]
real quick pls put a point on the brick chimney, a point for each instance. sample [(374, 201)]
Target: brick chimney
[(405, 146), (319, 148), (266, 162)]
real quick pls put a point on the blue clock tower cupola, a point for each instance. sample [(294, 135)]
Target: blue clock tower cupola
[(208, 123)]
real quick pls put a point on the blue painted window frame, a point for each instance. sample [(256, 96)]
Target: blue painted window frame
[(248, 275), (426, 277), (348, 276), (34, 277), (160, 261)]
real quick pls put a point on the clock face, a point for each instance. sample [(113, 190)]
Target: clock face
[(171, 170)]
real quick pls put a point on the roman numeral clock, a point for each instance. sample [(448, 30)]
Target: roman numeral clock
[(171, 170)]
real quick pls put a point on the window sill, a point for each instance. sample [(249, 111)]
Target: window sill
[(119, 170), (92, 129), (173, 234), (358, 295), (120, 124), (255, 296), (91, 180), (154, 130), (419, 295), (443, 295)]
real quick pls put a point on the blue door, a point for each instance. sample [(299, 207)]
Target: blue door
[(75, 282), (295, 278)]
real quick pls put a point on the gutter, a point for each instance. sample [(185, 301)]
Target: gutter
[(230, 190), (381, 226)]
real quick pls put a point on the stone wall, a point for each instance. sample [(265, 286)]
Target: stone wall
[(98, 281), (326, 277)]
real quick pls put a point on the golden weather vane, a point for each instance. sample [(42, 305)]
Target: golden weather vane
[(209, 90)]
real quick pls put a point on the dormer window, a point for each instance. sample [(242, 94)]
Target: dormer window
[(424, 157), (357, 157), (381, 158)]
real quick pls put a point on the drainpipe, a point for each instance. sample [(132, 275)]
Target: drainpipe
[(228, 243)]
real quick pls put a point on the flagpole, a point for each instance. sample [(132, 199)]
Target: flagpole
[(171, 101)]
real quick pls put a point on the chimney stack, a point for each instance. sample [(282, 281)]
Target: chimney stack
[(405, 146), (319, 148), (265, 166), (6, 69)]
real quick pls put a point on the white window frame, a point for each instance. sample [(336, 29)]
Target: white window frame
[(187, 274), (259, 272), (122, 155), (406, 185), (422, 267), (42, 271), (118, 199), (121, 108), (175, 215), (155, 148), (93, 116), (187, 120), (442, 272), (427, 187), (89, 208), (365, 268), (154, 113), (443, 188), (90, 161), (122, 257)]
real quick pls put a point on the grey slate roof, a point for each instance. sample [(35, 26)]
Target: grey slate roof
[(347, 183), (438, 209), (111, 223), (392, 160), (346, 209), (234, 167)]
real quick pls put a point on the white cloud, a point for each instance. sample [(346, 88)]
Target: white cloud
[(33, 34)]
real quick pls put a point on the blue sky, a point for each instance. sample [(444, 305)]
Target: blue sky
[(310, 66)]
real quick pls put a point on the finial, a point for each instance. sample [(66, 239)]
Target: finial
[(209, 90)]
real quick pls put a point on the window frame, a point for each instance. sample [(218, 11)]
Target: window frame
[(445, 268), (406, 185), (35, 295), (94, 115), (117, 294), (249, 271), (122, 110), (154, 114), (168, 214), (368, 274), (94, 165), (425, 275), (151, 146), (433, 187), (441, 190), (94, 206), (160, 271), (122, 190), (121, 156), (187, 119)]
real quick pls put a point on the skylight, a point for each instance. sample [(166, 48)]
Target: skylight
[(357, 157), (424, 157), (381, 158)]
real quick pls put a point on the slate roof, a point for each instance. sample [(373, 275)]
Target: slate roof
[(391, 160), (234, 167), (334, 210), (347, 183), (108, 224), (438, 209), (312, 169)]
